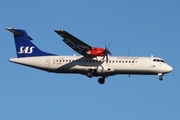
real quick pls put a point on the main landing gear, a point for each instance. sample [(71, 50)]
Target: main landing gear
[(90, 74), (101, 80)]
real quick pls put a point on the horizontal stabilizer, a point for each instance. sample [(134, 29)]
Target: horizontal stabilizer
[(18, 33)]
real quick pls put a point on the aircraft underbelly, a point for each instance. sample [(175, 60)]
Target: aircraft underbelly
[(80, 69), (135, 71)]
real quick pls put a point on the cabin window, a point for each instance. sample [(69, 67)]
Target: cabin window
[(119, 61), (126, 61), (129, 61)]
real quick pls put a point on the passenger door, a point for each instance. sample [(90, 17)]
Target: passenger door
[(47, 63)]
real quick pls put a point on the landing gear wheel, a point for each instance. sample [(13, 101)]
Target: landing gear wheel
[(160, 78), (101, 80), (90, 74)]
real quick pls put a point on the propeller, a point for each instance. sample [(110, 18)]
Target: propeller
[(106, 52)]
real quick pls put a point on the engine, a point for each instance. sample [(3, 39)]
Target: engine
[(96, 51)]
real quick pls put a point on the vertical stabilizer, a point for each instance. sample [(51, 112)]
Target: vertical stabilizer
[(24, 46)]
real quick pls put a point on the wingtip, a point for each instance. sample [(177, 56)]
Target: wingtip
[(59, 30)]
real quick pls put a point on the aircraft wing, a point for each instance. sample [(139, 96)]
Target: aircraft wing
[(73, 42)]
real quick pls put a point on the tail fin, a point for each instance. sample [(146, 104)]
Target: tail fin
[(24, 47)]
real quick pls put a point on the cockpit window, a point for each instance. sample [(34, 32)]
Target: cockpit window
[(162, 61), (158, 60)]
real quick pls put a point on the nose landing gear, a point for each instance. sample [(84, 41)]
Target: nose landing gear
[(101, 80), (160, 76)]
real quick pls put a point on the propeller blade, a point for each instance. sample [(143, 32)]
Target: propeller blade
[(106, 52), (108, 45), (106, 58)]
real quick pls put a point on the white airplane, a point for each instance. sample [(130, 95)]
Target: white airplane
[(94, 61)]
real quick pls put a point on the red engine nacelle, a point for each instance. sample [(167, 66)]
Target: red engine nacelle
[(97, 51)]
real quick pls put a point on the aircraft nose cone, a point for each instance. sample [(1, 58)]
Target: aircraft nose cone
[(169, 68)]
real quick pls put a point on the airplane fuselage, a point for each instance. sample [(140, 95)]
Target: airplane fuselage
[(96, 66)]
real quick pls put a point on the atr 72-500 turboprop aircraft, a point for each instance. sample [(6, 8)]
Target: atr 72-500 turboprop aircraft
[(93, 62)]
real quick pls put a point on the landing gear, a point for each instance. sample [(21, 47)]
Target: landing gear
[(101, 80), (160, 78), (90, 74)]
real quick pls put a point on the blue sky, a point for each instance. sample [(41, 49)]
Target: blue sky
[(137, 28)]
